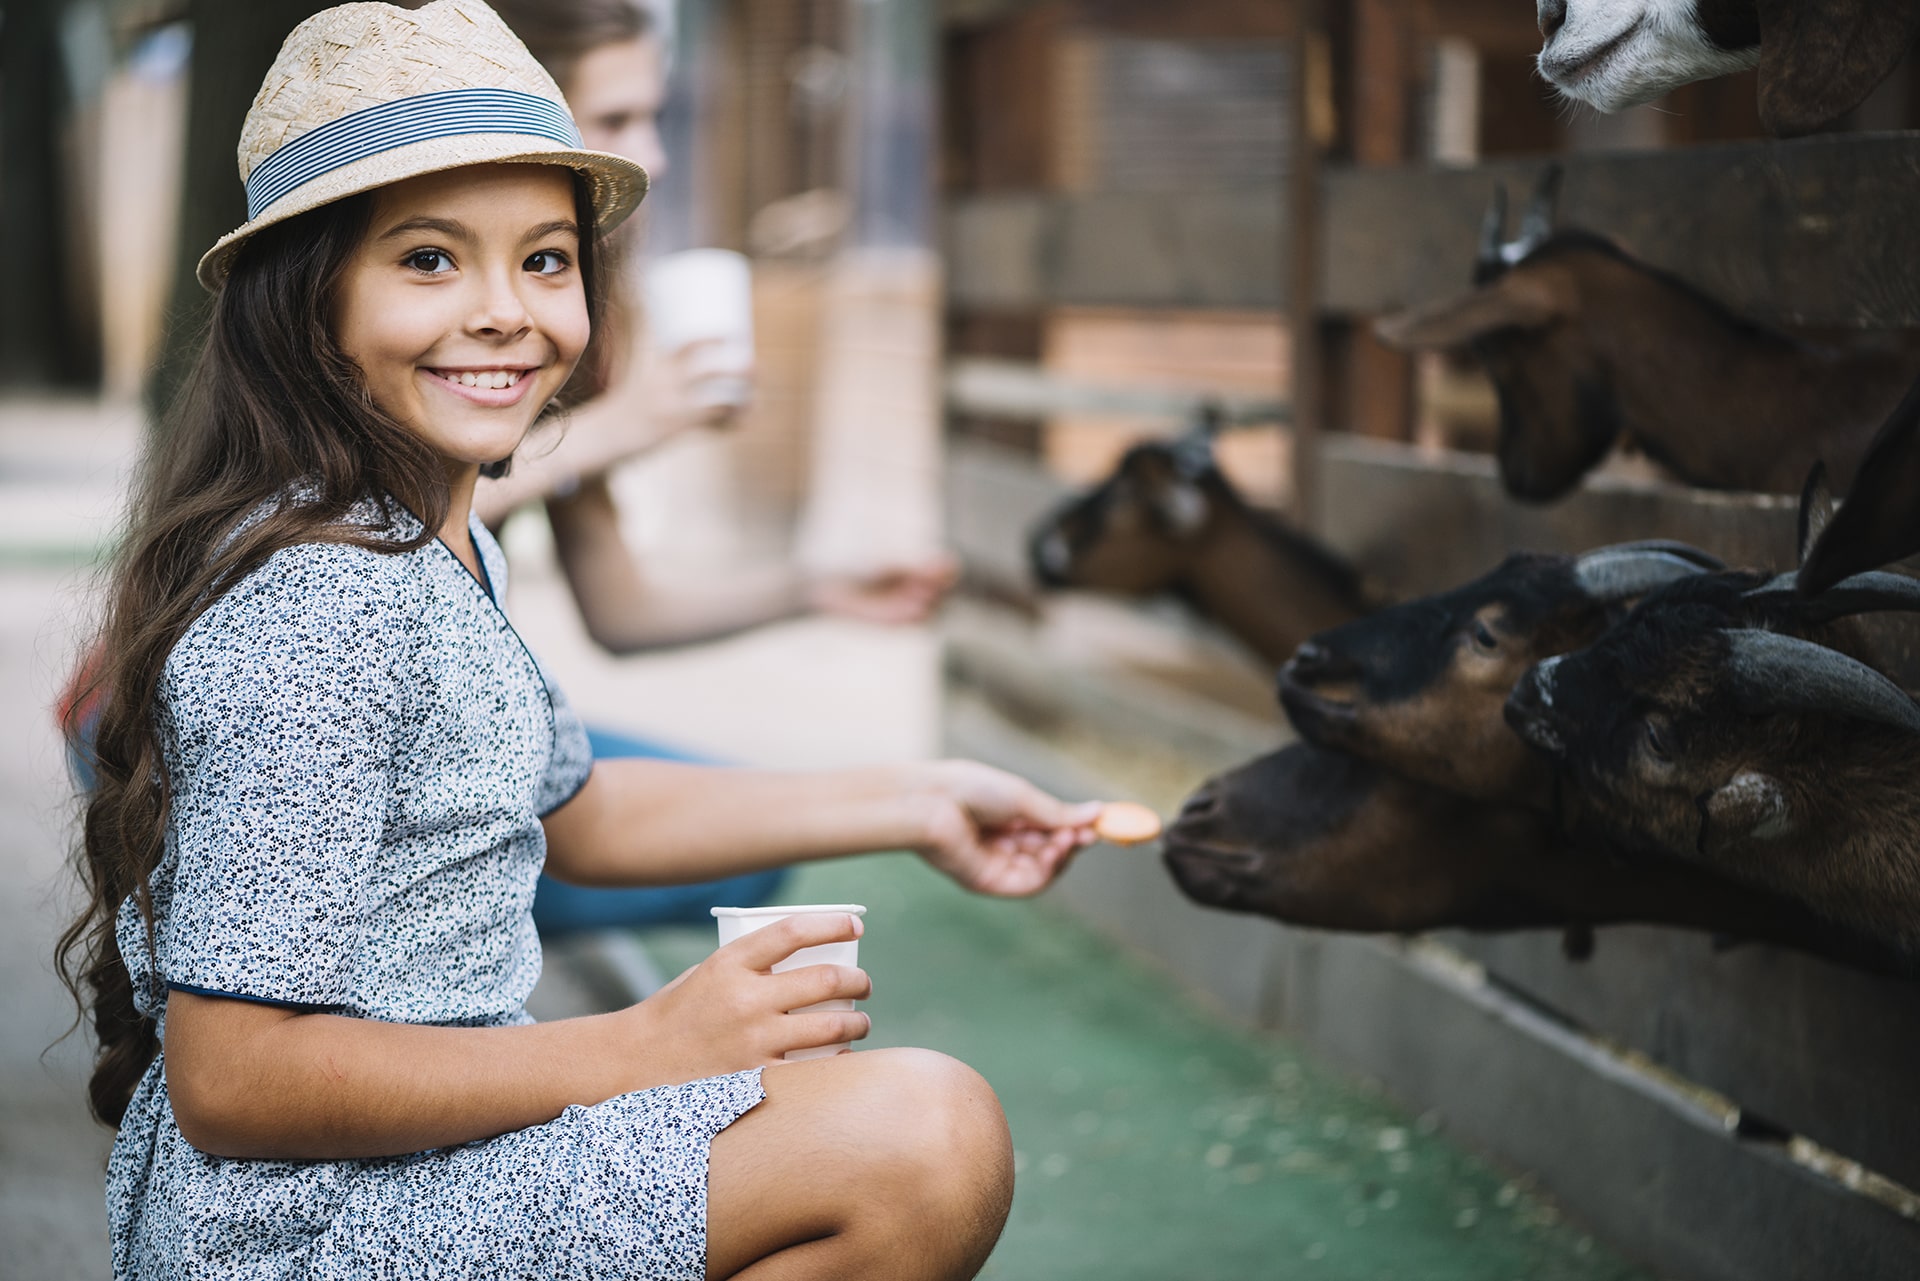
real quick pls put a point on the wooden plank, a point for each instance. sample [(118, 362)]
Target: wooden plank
[(1016, 389), (1153, 249), (1819, 1049), (1815, 231), (1385, 500), (1640, 1159), (1811, 232)]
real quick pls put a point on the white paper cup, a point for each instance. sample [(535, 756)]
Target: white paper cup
[(737, 921), (705, 296)]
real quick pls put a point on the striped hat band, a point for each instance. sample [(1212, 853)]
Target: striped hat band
[(373, 130)]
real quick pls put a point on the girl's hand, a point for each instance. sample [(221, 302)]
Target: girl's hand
[(729, 1013), (998, 834)]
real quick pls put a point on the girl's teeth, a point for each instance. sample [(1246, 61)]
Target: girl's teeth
[(491, 380)]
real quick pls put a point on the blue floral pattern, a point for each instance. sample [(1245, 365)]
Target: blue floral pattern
[(360, 749)]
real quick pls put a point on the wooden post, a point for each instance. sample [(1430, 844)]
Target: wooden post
[(1385, 74), (1309, 112), (41, 340)]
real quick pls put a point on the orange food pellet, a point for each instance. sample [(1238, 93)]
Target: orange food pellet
[(1126, 823)]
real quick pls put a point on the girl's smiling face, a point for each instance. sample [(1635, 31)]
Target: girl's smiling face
[(464, 305)]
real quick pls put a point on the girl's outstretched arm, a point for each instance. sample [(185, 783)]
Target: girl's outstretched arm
[(251, 1080), (647, 822)]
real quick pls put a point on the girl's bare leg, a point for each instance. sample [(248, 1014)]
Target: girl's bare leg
[(884, 1163)]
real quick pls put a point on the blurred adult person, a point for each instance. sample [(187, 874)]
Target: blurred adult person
[(610, 60)]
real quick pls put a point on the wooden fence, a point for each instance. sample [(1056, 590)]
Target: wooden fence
[(1732, 1114)]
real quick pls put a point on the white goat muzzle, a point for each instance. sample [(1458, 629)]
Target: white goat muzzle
[(1612, 54)]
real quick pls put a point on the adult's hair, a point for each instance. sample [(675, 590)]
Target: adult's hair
[(561, 32), (274, 418)]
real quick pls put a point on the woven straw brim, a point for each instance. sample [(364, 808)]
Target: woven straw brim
[(618, 184)]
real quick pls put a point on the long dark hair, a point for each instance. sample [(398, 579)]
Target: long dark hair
[(272, 400)]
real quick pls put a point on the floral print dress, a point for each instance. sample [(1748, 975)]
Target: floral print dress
[(360, 749)]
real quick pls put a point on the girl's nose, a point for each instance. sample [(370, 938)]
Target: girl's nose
[(500, 310)]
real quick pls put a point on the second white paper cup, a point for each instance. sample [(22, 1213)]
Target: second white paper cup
[(737, 921), (706, 295)]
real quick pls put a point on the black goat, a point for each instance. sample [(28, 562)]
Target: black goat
[(1419, 686), (1587, 345), (1318, 838), (1168, 520), (1708, 727), (1818, 60)]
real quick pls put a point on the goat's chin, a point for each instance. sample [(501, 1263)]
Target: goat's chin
[(1657, 57)]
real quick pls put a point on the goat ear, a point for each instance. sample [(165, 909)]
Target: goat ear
[(1517, 300), (1819, 59), (1748, 806), (1880, 521), (1816, 509)]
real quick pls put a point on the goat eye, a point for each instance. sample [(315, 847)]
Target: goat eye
[(1657, 745), (1483, 637)]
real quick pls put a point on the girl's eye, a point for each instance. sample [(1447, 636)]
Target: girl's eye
[(547, 262), (430, 262)]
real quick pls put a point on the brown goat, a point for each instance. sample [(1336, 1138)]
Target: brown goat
[(1419, 687), (1168, 520), (1318, 838), (1587, 346)]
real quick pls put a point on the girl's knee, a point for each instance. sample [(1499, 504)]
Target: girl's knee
[(930, 1097), (942, 1130)]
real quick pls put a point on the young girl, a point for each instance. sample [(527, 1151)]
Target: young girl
[(329, 774)]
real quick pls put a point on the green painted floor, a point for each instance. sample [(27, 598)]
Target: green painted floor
[(1155, 1141)]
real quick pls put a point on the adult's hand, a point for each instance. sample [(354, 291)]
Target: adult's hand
[(904, 593), (685, 389)]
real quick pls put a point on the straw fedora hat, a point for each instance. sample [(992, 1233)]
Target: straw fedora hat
[(367, 94)]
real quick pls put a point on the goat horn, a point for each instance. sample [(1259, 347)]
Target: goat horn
[(1875, 591), (1493, 229), (1537, 224), (1775, 673), (1707, 561), (1634, 569)]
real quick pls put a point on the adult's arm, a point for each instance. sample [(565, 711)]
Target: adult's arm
[(625, 611)]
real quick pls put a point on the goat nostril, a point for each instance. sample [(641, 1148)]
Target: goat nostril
[(1552, 15), (1203, 804)]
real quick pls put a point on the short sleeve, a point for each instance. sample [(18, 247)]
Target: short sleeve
[(572, 761), (282, 711)]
